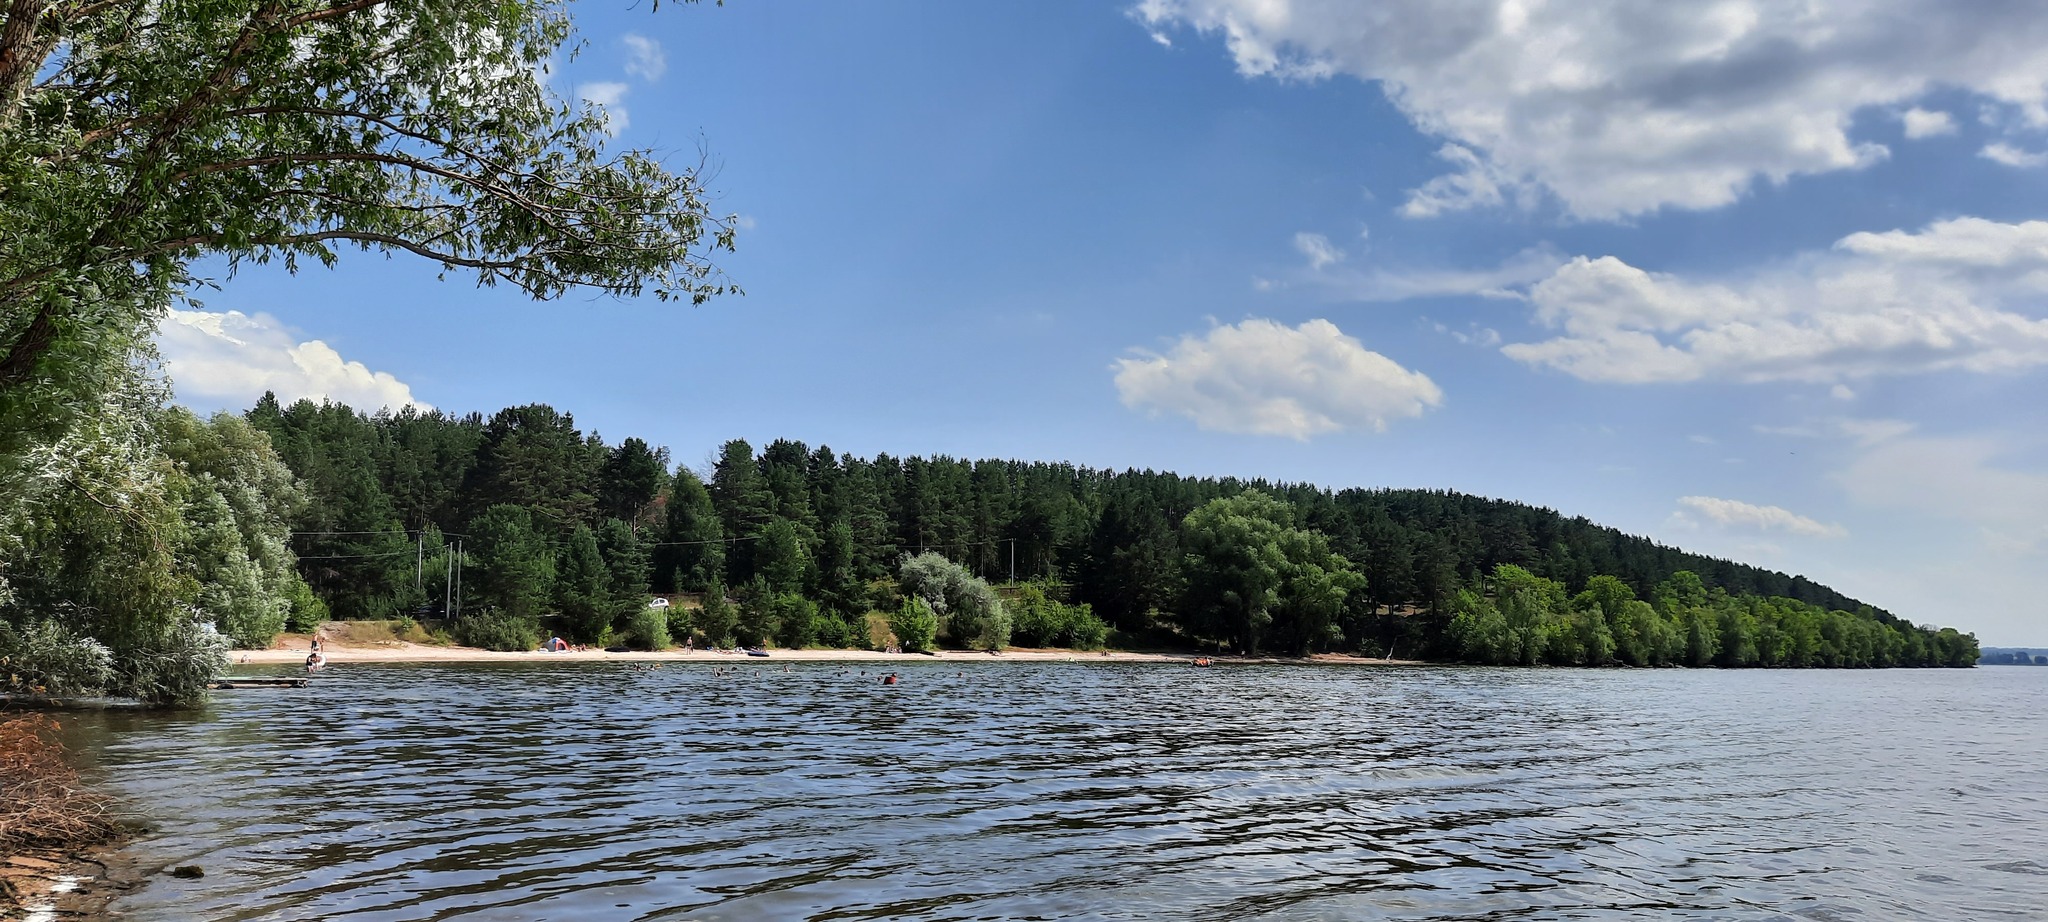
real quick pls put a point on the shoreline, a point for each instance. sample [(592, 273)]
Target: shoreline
[(338, 654)]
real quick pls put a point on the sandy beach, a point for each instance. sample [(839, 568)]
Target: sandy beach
[(293, 649)]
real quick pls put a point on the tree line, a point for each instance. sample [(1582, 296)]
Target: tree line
[(550, 528)]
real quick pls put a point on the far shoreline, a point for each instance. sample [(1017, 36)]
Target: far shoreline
[(293, 652)]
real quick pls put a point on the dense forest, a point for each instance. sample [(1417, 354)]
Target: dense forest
[(521, 523)]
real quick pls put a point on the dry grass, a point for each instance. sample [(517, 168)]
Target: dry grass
[(376, 633), (42, 804), (879, 634)]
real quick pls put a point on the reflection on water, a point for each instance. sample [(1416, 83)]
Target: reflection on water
[(1046, 791)]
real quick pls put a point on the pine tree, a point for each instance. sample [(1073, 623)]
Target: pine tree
[(583, 588), (692, 551), (743, 503), (626, 566)]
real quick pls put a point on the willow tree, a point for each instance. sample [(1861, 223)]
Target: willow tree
[(137, 136), (1251, 574)]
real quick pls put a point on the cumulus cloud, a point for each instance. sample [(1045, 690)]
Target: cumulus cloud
[(644, 57), (2009, 155), (1318, 249), (1264, 378), (1921, 123), (1960, 294), (1736, 514), (231, 358), (609, 95), (1623, 107)]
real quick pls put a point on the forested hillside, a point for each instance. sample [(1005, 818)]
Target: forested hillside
[(558, 528)]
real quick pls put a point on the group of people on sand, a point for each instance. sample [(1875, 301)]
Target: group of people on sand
[(558, 645)]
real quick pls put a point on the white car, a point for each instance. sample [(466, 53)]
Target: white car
[(658, 602)]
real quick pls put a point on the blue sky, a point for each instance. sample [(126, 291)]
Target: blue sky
[(1758, 282)]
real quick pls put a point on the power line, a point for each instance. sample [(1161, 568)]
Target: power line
[(407, 533), (690, 543), (349, 556), (308, 534)]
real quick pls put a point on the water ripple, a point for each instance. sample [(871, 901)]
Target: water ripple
[(1013, 791)]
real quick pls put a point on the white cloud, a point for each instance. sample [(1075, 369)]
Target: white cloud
[(1737, 514), (1960, 242), (609, 95), (1960, 294), (1318, 249), (1161, 38), (1921, 123), (1842, 392), (2013, 156), (1378, 284), (1623, 107), (1263, 378), (231, 358), (644, 57), (1472, 335), (1865, 432), (1476, 183)]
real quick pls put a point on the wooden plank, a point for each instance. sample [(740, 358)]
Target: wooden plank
[(259, 682)]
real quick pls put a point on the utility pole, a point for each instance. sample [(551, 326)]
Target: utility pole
[(1013, 561), (448, 583), (419, 564)]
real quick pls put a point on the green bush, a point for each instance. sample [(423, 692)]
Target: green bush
[(492, 629), (831, 629), (172, 667), (678, 622), (967, 607), (305, 612), (46, 658), (796, 619), (650, 629), (717, 620), (1087, 632), (1039, 621), (757, 622), (915, 626)]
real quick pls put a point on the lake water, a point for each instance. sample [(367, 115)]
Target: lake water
[(1056, 791)]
